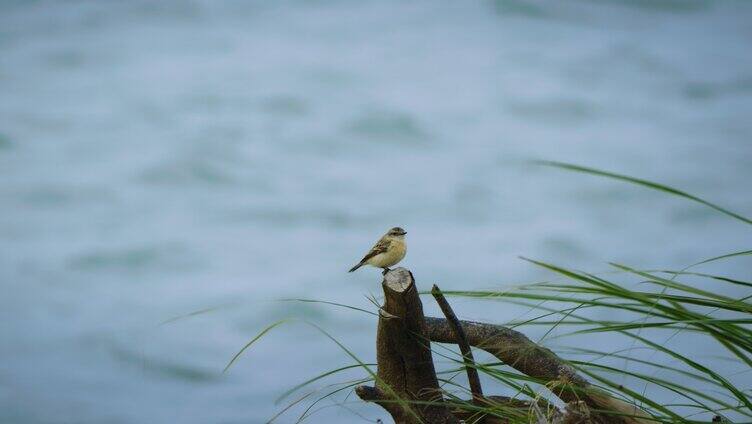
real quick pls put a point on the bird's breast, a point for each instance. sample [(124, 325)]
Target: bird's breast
[(400, 249), (393, 254)]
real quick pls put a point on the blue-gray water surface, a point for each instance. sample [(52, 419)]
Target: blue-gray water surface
[(162, 158)]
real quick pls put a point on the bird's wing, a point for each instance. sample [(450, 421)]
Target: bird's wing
[(380, 247)]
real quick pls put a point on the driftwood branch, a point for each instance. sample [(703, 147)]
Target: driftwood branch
[(516, 350), (407, 386), (467, 353), (375, 395)]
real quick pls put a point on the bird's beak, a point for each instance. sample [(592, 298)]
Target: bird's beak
[(404, 232)]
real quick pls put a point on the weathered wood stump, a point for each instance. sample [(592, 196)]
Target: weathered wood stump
[(407, 386)]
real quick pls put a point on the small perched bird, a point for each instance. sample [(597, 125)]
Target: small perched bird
[(389, 250)]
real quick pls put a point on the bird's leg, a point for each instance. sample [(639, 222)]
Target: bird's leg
[(385, 271)]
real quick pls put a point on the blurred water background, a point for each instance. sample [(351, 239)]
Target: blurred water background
[(159, 158)]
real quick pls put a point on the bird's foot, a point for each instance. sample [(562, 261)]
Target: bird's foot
[(385, 271)]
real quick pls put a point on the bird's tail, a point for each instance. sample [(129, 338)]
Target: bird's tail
[(356, 267)]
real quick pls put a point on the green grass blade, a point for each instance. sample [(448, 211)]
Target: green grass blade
[(284, 395), (726, 256), (644, 183), (699, 274), (699, 367), (325, 302), (306, 414), (681, 390), (196, 313), (253, 340)]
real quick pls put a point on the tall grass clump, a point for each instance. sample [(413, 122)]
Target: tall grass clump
[(671, 342)]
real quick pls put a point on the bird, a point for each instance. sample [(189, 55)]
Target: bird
[(389, 250)]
